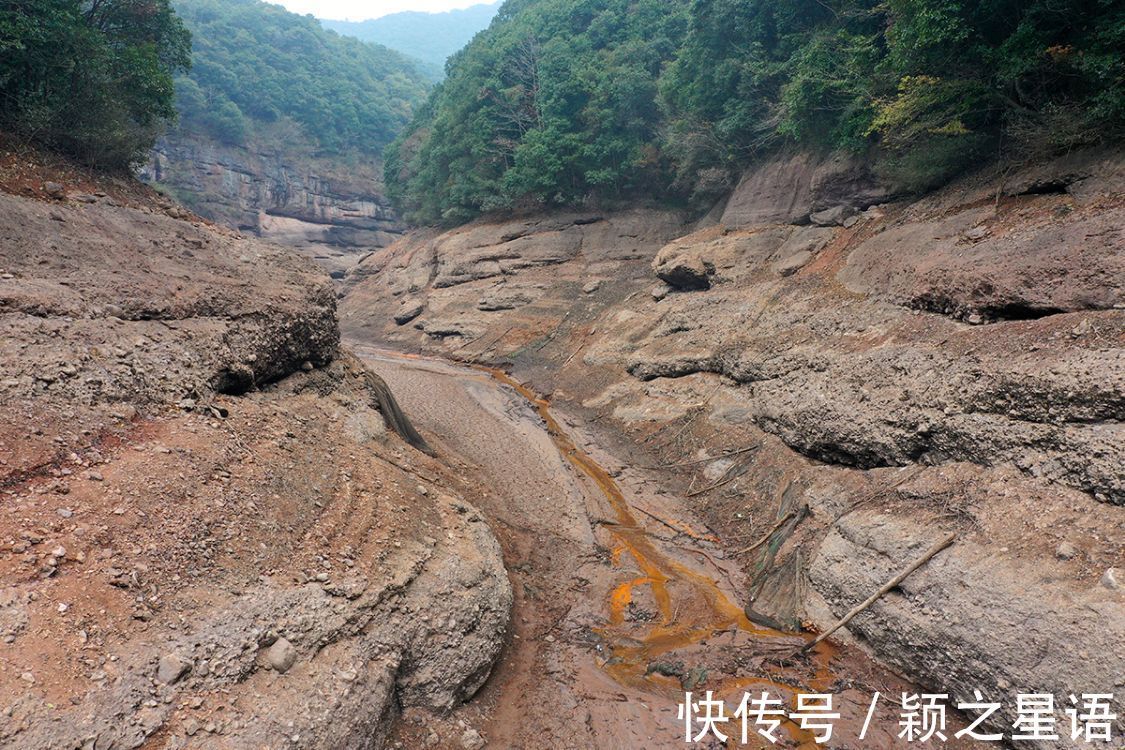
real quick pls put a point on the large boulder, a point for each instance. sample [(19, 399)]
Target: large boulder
[(711, 256)]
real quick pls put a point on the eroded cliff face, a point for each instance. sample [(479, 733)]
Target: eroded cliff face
[(329, 210), (849, 379), (210, 538)]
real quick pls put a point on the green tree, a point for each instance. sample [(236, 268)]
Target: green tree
[(93, 78), (579, 101), (932, 85), (555, 103), (256, 63)]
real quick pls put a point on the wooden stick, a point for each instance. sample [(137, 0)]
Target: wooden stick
[(494, 342), (679, 529), (657, 518), (765, 538), (415, 472), (551, 336), (899, 578), (713, 561), (581, 346), (705, 459)]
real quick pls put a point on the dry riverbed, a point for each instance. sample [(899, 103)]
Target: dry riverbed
[(947, 365), (623, 600)]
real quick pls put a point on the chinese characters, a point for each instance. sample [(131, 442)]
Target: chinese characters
[(1088, 717)]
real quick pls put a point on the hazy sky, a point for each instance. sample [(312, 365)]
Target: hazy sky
[(359, 10)]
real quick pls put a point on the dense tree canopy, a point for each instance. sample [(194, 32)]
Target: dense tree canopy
[(92, 78), (256, 63), (562, 101), (555, 98), (934, 84)]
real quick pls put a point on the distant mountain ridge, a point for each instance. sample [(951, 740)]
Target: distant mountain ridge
[(427, 37)]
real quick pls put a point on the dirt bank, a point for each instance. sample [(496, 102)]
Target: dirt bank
[(209, 538)]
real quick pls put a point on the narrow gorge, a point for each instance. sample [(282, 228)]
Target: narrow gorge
[(652, 374), (656, 455)]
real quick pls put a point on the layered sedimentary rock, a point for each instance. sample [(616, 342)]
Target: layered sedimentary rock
[(332, 213), (863, 381)]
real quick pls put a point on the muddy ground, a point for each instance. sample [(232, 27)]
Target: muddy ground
[(594, 544)]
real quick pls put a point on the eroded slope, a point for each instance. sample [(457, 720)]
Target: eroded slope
[(210, 538)]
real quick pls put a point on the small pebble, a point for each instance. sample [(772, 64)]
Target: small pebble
[(1110, 579), (1066, 551)]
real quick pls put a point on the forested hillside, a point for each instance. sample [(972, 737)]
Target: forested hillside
[(565, 101), (555, 99), (937, 85), (256, 64), (429, 38), (93, 80)]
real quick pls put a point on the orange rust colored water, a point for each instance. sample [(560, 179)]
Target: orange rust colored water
[(631, 656), (676, 627)]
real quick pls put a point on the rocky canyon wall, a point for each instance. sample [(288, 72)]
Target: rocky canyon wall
[(847, 377), (330, 209)]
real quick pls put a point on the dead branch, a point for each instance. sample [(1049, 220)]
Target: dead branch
[(896, 580), (765, 537), (683, 529), (723, 571), (475, 359), (407, 469)]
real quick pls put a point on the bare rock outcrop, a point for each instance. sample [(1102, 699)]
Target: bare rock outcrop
[(712, 256), (983, 632), (434, 273), (291, 196), (245, 187), (979, 267), (953, 362), (790, 188), (168, 315)]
